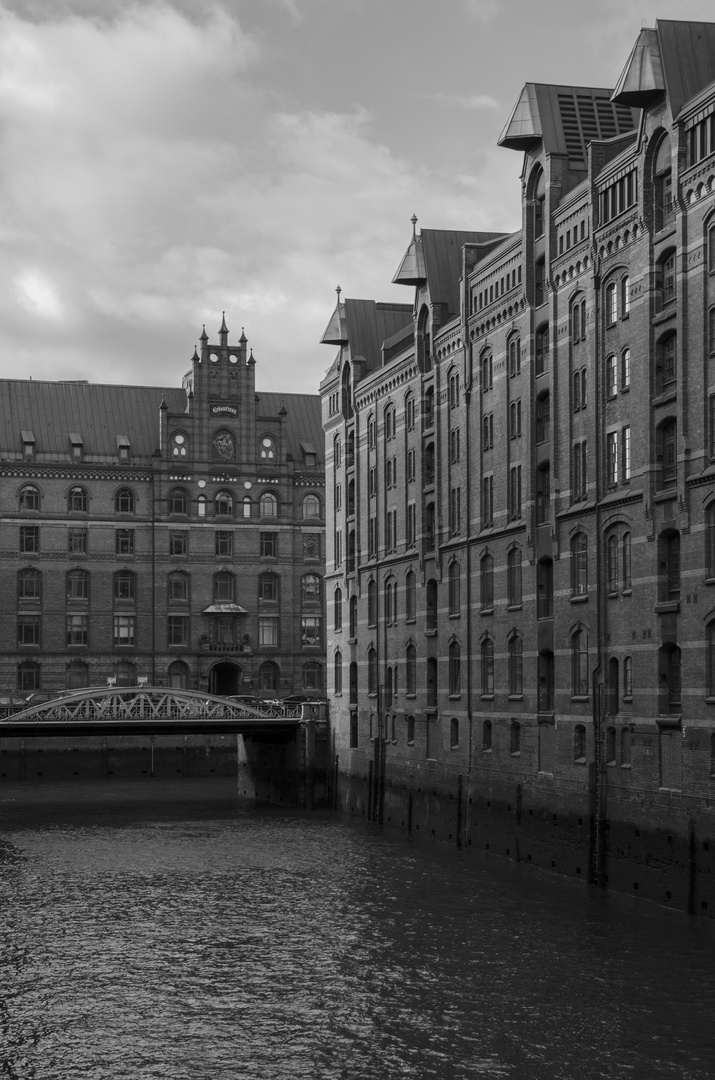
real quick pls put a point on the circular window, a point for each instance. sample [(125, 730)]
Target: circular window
[(233, 359), (213, 357)]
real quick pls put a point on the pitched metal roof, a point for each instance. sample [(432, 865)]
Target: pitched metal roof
[(435, 257), (565, 119), (105, 416), (675, 56)]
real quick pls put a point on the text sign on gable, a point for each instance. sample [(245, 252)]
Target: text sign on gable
[(224, 410)]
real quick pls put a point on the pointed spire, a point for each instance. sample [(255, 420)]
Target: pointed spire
[(413, 219), (243, 339), (164, 407), (251, 359), (196, 354), (204, 336), (223, 332), (336, 332)]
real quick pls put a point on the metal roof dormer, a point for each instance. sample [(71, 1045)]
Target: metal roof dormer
[(412, 270)]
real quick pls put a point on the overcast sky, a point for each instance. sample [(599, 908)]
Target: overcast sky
[(163, 162)]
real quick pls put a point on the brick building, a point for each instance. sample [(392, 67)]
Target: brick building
[(173, 535), (521, 497)]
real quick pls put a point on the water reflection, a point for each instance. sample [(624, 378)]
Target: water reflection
[(188, 936)]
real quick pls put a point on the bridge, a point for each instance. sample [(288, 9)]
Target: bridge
[(149, 710)]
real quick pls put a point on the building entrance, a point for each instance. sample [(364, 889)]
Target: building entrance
[(225, 679)]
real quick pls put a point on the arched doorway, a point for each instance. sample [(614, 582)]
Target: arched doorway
[(225, 679)]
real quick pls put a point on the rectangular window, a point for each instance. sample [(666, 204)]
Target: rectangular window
[(177, 630), (391, 530), (410, 464), (311, 545), (268, 630), (28, 630), (338, 547), (411, 520), (487, 501), (515, 419), (455, 510), (515, 492), (578, 482), (223, 544), (372, 538), (124, 542), (310, 631), (543, 495), (29, 539), (124, 630), (542, 351), (77, 541), (612, 457), (269, 546), (178, 543), (626, 452), (78, 629)]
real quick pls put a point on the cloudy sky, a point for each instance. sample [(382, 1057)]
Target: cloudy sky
[(163, 162)]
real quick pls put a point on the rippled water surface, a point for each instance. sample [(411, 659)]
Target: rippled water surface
[(166, 930)]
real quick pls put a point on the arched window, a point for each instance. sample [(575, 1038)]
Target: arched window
[(29, 497), (486, 581), (312, 675), (246, 506), (487, 666), (178, 675), (612, 563), (410, 670), (76, 675), (455, 683), (353, 683), (665, 280), (543, 412), (311, 506), (267, 448), (337, 452), (77, 500), (424, 340), (431, 599), (579, 743), (177, 587), (338, 672), (179, 445), (666, 372), (224, 587), (579, 663), (487, 370), (29, 676), (409, 416), (611, 375), (372, 603), (178, 501), (268, 675), (338, 609), (223, 504), (625, 369), (124, 501), (542, 349), (539, 197), (201, 505), (625, 296), (411, 595), (626, 559), (515, 664), (77, 582), (579, 565), (610, 303), (514, 357), (390, 423), (29, 584), (627, 678), (432, 686), (666, 448), (268, 505), (663, 187), (454, 588), (371, 671), (513, 577)]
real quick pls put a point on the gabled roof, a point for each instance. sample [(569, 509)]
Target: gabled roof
[(58, 412), (365, 324), (435, 257), (565, 119), (675, 57)]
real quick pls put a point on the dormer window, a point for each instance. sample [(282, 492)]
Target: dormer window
[(77, 443), (28, 444), (310, 455), (123, 447)]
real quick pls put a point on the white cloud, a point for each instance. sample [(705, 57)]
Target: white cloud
[(463, 101), (37, 295)]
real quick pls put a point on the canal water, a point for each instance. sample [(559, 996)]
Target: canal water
[(166, 931)]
